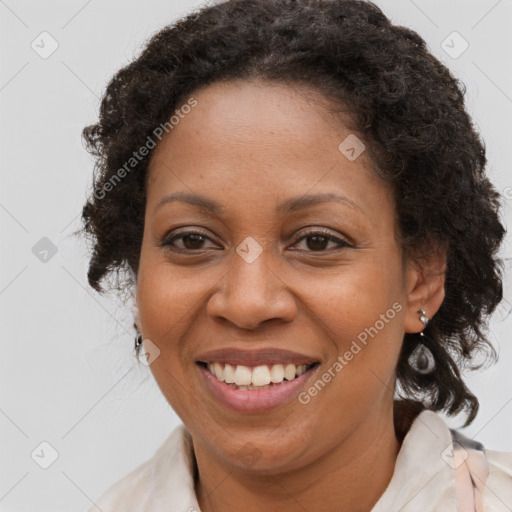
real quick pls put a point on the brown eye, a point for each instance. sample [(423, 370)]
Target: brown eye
[(193, 241), (317, 241), (186, 241)]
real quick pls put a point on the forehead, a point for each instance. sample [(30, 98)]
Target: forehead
[(259, 111), (265, 137)]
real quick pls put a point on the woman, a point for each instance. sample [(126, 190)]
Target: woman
[(295, 195)]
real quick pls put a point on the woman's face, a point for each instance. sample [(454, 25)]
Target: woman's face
[(277, 249)]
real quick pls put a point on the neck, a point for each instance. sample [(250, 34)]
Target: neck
[(351, 476)]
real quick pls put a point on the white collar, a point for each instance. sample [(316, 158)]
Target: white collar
[(422, 479)]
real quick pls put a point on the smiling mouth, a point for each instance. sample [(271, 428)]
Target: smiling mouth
[(256, 377)]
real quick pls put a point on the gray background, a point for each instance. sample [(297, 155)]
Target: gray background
[(68, 376)]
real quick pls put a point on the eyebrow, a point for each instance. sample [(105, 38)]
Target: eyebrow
[(299, 203), (291, 205), (198, 200)]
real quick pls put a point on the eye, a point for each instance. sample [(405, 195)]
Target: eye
[(187, 241), (316, 241), (320, 239)]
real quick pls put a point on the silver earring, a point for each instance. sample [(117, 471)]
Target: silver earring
[(422, 359), (138, 341)]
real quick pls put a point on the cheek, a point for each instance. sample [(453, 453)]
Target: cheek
[(168, 303), (360, 312), (361, 315), (169, 298)]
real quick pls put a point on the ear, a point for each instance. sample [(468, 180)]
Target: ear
[(425, 280)]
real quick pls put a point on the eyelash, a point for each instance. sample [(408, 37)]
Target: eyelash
[(324, 233)]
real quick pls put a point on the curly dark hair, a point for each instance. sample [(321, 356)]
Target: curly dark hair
[(407, 107)]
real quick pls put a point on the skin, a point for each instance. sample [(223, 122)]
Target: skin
[(249, 146)]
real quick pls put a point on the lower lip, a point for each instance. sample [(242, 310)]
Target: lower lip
[(255, 400)]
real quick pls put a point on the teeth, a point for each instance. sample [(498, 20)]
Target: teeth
[(301, 369), (242, 375), (229, 374), (218, 371), (261, 377), (289, 371), (277, 373)]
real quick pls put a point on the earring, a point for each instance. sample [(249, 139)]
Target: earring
[(138, 341), (422, 359)]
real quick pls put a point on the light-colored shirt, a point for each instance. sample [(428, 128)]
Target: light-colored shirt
[(437, 470)]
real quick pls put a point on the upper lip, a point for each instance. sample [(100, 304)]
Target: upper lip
[(255, 357)]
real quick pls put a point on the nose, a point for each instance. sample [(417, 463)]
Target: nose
[(251, 294)]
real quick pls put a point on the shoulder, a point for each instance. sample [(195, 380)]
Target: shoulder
[(127, 490), (438, 468), (164, 479), (482, 476), (498, 492)]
